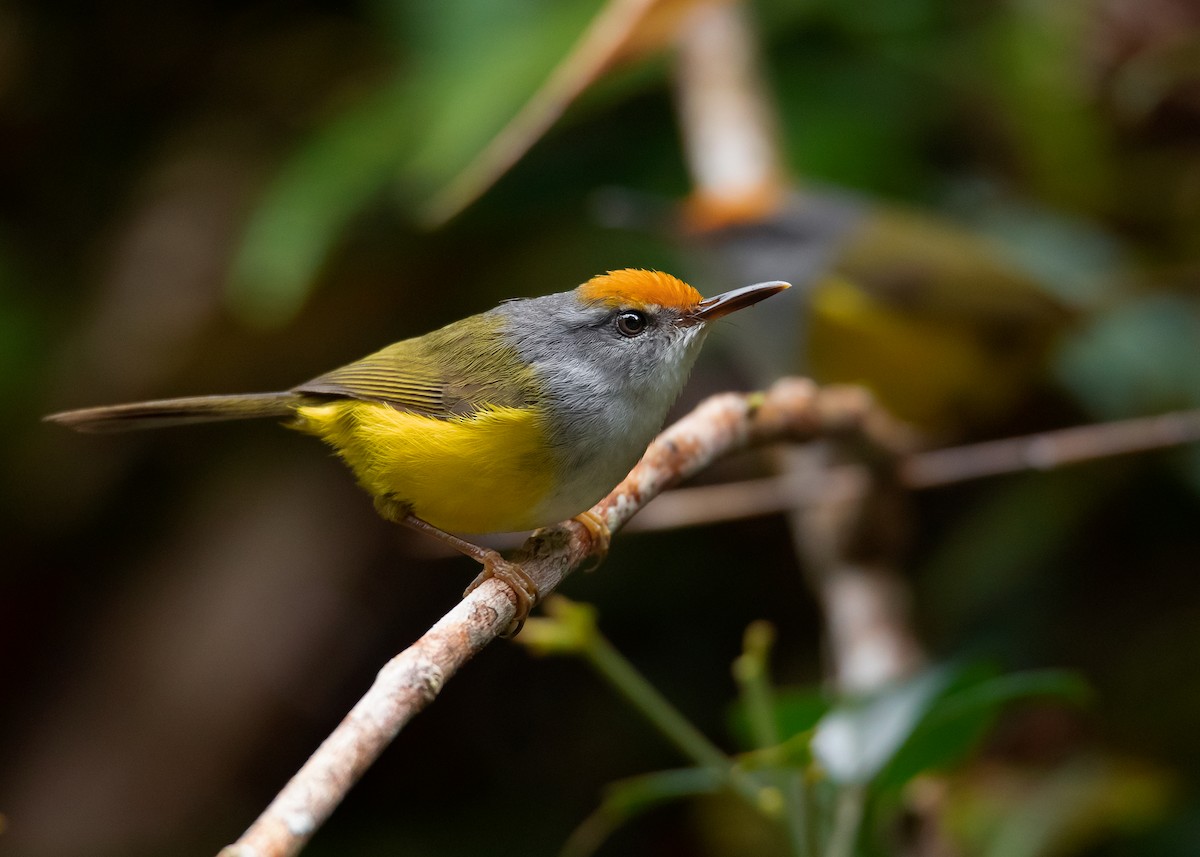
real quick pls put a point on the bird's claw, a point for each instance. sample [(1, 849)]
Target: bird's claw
[(600, 534), (522, 585)]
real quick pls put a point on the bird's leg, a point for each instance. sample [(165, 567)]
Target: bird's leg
[(494, 565), (600, 533)]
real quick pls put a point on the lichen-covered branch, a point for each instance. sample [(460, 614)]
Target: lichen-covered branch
[(793, 409)]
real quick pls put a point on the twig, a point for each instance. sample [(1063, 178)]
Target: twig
[(793, 409), (1051, 449), (728, 501), (847, 819), (710, 504)]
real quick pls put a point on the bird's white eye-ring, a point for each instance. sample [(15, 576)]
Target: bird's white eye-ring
[(630, 322)]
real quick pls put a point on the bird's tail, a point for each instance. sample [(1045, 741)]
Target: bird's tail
[(174, 412)]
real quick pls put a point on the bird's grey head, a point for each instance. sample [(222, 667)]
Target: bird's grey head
[(609, 337), (626, 338)]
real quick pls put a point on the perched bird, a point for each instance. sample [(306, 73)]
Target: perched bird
[(512, 419)]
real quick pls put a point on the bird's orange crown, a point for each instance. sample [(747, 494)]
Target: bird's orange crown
[(636, 287)]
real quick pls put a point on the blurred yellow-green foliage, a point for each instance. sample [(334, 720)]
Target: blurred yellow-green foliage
[(229, 197)]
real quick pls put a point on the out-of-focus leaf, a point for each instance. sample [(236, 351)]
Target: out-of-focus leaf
[(962, 715), (1013, 813), (1033, 66), (926, 723), (622, 28), (1177, 837), (829, 139), (1073, 259), (856, 739), (1139, 358), (305, 209), (799, 710), (640, 793), (473, 67), (481, 79)]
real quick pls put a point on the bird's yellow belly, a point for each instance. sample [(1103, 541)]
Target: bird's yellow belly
[(483, 473)]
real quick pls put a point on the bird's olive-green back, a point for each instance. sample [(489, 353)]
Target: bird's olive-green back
[(450, 372)]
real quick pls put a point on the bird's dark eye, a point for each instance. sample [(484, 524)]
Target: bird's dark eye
[(631, 322)]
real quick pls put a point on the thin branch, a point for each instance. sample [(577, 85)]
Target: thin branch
[(1049, 450), (750, 498), (793, 409)]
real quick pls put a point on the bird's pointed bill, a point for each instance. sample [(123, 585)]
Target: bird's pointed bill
[(723, 304)]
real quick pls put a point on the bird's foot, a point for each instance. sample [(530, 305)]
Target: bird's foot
[(600, 534), (525, 591), (522, 585)]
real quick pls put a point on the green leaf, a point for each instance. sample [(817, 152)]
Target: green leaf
[(1066, 149), (932, 721), (474, 85), (1139, 358), (304, 211), (1073, 809), (963, 714), (857, 738), (473, 66), (640, 793)]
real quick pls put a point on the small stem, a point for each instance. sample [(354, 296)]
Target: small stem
[(758, 696), (652, 704), (667, 719), (801, 828), (750, 672), (847, 818)]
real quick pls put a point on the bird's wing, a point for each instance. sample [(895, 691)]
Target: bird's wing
[(429, 376)]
